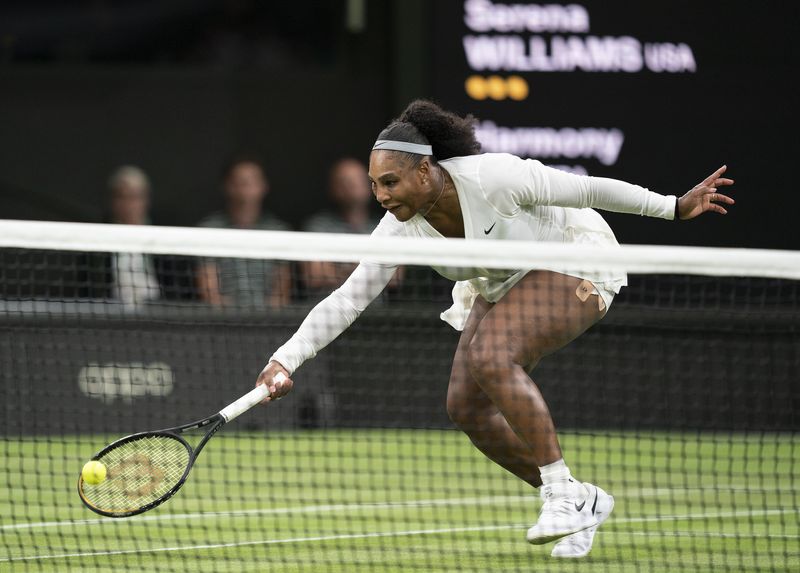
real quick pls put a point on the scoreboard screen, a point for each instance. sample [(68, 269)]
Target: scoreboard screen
[(656, 93)]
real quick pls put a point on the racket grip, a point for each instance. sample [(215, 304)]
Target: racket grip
[(244, 403)]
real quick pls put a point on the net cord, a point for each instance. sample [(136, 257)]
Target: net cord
[(304, 246)]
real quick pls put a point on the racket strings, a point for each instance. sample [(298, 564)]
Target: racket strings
[(139, 472)]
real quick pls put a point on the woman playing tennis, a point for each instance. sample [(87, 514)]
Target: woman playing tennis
[(428, 173)]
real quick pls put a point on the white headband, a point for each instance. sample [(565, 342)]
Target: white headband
[(403, 146)]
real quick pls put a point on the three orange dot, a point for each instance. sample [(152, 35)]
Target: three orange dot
[(496, 88)]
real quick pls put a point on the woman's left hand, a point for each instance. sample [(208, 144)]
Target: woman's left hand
[(705, 196)]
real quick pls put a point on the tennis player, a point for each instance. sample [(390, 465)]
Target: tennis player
[(428, 173)]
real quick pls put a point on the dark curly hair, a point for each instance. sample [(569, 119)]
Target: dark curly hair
[(425, 122)]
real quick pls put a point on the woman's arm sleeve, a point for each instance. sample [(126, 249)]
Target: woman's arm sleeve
[(526, 182), (334, 314)]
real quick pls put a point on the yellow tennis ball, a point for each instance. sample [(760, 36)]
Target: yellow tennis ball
[(94, 472)]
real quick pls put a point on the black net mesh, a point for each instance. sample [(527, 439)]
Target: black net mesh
[(682, 403)]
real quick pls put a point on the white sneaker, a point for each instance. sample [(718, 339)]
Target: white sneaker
[(567, 509), (580, 544)]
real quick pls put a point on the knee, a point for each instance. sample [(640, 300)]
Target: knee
[(467, 409), (459, 410), (493, 360)]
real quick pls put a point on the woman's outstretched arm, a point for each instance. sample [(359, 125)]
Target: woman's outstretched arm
[(325, 322), (513, 183)]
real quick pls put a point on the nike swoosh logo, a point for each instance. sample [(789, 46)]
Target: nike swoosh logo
[(594, 505), (580, 507), (486, 232)]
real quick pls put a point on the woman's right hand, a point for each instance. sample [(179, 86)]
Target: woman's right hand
[(277, 388)]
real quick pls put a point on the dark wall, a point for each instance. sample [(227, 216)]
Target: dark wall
[(64, 132), (65, 124), (639, 368)]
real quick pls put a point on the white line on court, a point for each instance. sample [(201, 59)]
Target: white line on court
[(327, 508), (705, 534), (343, 536), (330, 508)]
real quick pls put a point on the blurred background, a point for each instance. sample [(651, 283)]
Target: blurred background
[(657, 93)]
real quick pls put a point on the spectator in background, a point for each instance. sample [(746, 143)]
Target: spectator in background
[(128, 278), (350, 197), (244, 282), (133, 279)]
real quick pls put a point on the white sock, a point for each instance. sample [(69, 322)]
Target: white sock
[(558, 473), (555, 472)]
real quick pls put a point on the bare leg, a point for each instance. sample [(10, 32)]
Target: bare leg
[(491, 365), (475, 414), (540, 315)]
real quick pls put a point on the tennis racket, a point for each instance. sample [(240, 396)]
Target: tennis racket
[(146, 469)]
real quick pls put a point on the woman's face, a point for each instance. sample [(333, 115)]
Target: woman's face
[(396, 184)]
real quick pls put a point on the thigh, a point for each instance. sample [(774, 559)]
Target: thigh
[(462, 388), (539, 315)]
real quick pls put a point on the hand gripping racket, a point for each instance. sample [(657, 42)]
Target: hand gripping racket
[(146, 469)]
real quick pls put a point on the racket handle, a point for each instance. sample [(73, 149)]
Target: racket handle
[(244, 403)]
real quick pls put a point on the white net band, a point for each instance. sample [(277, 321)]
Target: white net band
[(294, 246)]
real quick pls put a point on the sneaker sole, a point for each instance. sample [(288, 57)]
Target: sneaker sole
[(601, 518), (542, 539)]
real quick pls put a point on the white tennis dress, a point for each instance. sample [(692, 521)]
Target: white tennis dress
[(502, 197)]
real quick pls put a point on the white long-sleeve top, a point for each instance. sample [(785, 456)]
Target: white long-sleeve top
[(502, 197)]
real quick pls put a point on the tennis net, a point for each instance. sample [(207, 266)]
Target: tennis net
[(683, 402)]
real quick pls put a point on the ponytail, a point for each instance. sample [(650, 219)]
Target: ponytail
[(423, 122)]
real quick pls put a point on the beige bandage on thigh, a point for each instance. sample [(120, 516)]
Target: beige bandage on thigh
[(587, 289)]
